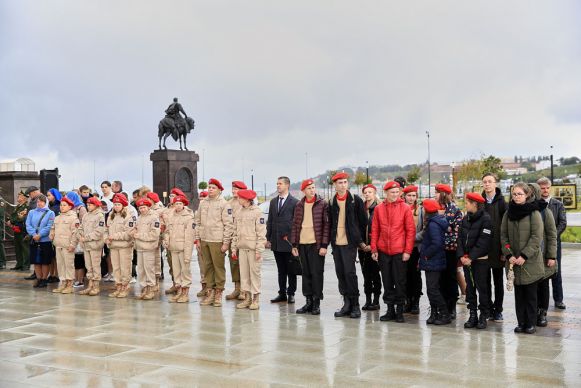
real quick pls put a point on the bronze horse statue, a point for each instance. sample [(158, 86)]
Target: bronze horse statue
[(167, 126)]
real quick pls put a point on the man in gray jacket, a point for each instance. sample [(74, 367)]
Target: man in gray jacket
[(558, 210)]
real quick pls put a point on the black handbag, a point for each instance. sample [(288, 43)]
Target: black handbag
[(294, 265)]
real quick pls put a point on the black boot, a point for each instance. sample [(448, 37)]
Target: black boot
[(345, 309), (389, 314), (375, 304), (443, 317), (433, 315), (43, 283), (399, 313), (308, 307), (408, 305), (31, 277), (452, 310), (355, 311), (415, 306), (291, 299), (482, 320), (542, 318), (281, 297), (472, 320), (316, 306), (367, 304)]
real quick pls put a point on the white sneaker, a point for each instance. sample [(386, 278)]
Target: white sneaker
[(133, 281), (462, 299), (109, 278), (77, 284)]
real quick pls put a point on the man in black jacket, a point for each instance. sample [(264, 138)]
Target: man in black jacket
[(278, 233), (495, 206), (346, 215), (558, 210)]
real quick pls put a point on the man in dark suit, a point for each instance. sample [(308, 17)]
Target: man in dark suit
[(558, 210), (278, 230)]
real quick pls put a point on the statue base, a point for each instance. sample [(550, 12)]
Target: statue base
[(173, 168)]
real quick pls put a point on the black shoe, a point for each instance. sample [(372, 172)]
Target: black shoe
[(389, 314), (308, 307), (415, 310), (17, 268), (345, 309), (53, 279), (399, 313), (375, 304), (443, 318), (407, 308), (433, 315), (37, 283), (31, 277), (482, 321), (43, 283), (291, 299), (367, 304), (279, 298), (316, 306), (560, 305), (452, 310), (530, 330), (355, 311), (472, 320), (542, 318), (519, 329)]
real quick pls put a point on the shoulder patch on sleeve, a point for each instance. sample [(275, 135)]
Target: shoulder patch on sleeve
[(131, 224), (134, 218), (230, 211), (487, 231), (193, 225), (156, 224), (262, 220), (101, 223)]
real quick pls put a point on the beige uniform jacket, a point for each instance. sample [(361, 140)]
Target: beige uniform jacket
[(147, 231), (214, 221), (179, 233), (93, 230), (250, 230), (119, 230), (235, 205), (65, 229)]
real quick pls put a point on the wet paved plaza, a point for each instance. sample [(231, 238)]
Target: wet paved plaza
[(71, 340)]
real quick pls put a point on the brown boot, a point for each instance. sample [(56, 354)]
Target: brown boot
[(143, 292), (247, 301), (123, 291), (203, 291), (96, 290), (116, 292), (174, 298), (150, 294), (209, 299), (156, 287), (87, 289), (60, 288), (236, 293), (218, 297), (185, 295), (68, 287), (172, 290), (255, 302)]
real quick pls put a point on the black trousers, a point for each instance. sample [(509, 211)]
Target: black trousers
[(433, 289), (344, 257), (557, 280), (543, 294), (476, 276), (496, 274), (313, 270), (448, 281), (394, 275), (371, 277), (282, 259), (414, 276), (525, 301)]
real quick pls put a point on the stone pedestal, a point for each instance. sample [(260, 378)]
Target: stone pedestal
[(12, 182), (173, 168)]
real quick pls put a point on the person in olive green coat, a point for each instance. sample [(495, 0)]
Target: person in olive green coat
[(549, 247), (521, 235)]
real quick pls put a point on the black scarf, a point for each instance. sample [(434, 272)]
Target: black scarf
[(518, 212), (542, 204)]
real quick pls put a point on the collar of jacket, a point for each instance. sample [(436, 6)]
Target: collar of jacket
[(475, 216), (497, 195), (396, 202)]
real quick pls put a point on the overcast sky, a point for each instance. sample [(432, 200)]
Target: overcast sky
[(85, 83)]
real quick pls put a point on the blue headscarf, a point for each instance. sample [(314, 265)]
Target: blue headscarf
[(75, 198), (56, 194)]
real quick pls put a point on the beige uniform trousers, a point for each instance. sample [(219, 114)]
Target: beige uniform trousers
[(121, 260), (65, 262), (250, 271), (181, 269), (146, 268), (93, 264), (158, 261), (202, 265), (215, 273)]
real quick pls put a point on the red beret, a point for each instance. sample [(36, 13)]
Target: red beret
[(391, 185), (68, 201), (153, 196), (306, 183), (247, 194), (475, 197), (431, 205), (94, 201), (442, 188), (340, 175), (176, 191), (368, 186), (239, 185), (120, 198), (203, 194), (410, 189), (216, 183), (182, 199), (143, 202)]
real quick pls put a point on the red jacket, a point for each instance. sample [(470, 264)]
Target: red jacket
[(393, 230)]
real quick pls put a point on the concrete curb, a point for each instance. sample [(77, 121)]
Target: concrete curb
[(571, 245)]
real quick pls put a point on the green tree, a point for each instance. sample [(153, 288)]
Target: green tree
[(414, 174), (203, 185), (492, 164), (361, 179)]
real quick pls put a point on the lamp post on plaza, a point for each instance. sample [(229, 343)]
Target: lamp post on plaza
[(252, 179), (367, 172), (452, 183), (552, 172), (429, 166)]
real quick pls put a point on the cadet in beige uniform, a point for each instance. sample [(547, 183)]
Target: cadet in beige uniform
[(91, 234), (159, 210), (179, 240), (247, 246), (118, 236), (201, 263), (214, 233), (146, 235), (234, 267), (64, 236)]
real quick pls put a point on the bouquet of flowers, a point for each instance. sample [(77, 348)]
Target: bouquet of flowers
[(510, 274)]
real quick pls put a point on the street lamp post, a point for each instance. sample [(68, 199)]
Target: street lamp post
[(367, 172), (252, 179), (429, 166), (552, 172)]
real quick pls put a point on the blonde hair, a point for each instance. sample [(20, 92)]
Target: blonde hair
[(123, 213), (143, 190)]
